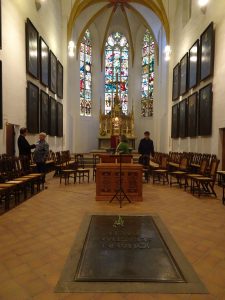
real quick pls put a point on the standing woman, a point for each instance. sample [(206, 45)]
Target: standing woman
[(41, 153)]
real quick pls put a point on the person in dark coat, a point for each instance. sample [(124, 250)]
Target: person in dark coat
[(146, 148), (23, 145)]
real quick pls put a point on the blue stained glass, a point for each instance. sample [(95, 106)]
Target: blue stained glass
[(85, 75), (116, 62), (88, 58), (147, 85), (108, 79), (81, 93), (124, 55), (145, 60), (82, 56)]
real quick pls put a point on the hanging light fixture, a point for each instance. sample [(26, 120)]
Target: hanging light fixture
[(167, 52), (203, 5), (38, 3), (71, 44), (71, 47)]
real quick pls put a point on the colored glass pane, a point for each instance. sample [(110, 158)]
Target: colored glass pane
[(116, 62), (85, 75), (147, 83)]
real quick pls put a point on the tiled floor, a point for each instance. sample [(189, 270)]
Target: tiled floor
[(36, 237)]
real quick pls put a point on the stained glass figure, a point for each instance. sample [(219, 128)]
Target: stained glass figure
[(147, 83), (85, 75), (116, 62)]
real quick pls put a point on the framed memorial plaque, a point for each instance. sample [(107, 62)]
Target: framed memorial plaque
[(176, 83), (193, 65), (205, 110), (44, 62), (184, 74), (52, 117), (32, 50), (52, 72), (192, 114), (1, 108), (44, 112), (59, 80), (32, 108), (183, 118), (175, 121), (207, 52), (59, 119)]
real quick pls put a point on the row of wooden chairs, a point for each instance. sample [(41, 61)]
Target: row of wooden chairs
[(17, 178), (201, 182), (73, 168), (194, 159)]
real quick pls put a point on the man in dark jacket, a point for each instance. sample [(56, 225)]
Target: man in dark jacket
[(146, 148), (23, 145)]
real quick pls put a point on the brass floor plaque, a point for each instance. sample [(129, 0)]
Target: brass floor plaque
[(127, 254), (127, 248)]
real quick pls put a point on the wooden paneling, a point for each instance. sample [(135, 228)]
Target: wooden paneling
[(108, 180)]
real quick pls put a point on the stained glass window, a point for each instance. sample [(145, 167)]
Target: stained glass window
[(147, 84), (116, 62), (85, 75)]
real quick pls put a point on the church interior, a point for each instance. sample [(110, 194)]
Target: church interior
[(90, 74)]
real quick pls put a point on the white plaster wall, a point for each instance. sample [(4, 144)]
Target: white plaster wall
[(85, 129), (48, 21), (141, 124), (161, 102), (182, 38)]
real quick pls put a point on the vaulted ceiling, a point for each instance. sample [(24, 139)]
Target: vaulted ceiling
[(129, 14)]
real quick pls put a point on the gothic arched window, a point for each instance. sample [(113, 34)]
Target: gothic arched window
[(85, 75), (147, 84), (116, 62)]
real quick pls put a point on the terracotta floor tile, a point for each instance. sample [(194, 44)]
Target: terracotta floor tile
[(36, 287), (19, 270), (11, 290), (37, 235)]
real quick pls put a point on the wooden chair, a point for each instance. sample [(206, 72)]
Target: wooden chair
[(162, 172), (96, 160), (155, 162), (35, 179), (81, 171), (6, 192), (204, 185), (202, 172), (180, 173), (146, 167), (58, 163), (67, 171), (223, 199)]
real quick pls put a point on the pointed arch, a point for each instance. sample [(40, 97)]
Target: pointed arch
[(116, 62), (148, 74), (157, 7), (86, 75)]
